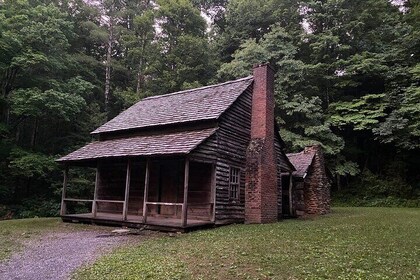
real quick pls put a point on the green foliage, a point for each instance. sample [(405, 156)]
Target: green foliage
[(31, 165), (347, 168), (363, 113), (388, 190), (402, 126), (347, 77), (47, 104), (346, 200), (126, 98), (38, 207), (375, 186), (302, 114), (183, 55)]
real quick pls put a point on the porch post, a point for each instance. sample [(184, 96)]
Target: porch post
[(291, 195), (127, 190), (185, 204), (95, 193), (146, 191), (63, 194)]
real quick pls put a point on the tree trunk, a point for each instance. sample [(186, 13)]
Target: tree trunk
[(108, 63), (338, 182), (28, 187), (17, 134), (6, 88), (34, 133), (139, 77)]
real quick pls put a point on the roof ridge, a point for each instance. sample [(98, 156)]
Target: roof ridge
[(303, 152), (293, 154), (199, 88)]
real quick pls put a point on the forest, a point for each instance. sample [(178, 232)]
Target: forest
[(347, 77)]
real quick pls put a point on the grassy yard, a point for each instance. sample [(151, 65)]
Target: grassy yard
[(350, 243), (14, 233)]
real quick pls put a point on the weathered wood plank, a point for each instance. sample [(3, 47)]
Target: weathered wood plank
[(63, 194), (109, 201), (185, 202), (95, 193), (78, 200), (164, 203), (146, 190), (291, 194), (213, 192), (233, 138), (127, 190)]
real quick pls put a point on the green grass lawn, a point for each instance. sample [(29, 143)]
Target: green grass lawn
[(350, 243)]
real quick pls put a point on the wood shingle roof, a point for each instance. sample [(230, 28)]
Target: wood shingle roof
[(175, 143), (301, 161), (205, 103)]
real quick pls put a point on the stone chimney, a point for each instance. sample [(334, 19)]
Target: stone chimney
[(261, 191), (317, 187)]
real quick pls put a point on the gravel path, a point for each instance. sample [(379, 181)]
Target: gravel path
[(57, 255)]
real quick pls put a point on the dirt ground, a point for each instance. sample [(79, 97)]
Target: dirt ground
[(57, 255)]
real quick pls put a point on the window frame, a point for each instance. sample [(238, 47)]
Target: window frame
[(234, 186)]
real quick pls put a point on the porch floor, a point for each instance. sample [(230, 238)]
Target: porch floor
[(136, 221)]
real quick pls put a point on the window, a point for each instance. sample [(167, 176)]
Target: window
[(234, 183)]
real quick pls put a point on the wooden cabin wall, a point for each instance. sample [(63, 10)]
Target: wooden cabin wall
[(206, 151), (233, 138)]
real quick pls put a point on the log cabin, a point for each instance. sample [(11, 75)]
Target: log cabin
[(190, 159)]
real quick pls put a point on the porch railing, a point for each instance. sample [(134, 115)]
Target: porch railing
[(93, 201), (184, 205), (178, 204)]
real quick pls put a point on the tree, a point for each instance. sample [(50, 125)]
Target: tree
[(137, 38), (346, 77), (253, 19), (33, 41), (183, 56)]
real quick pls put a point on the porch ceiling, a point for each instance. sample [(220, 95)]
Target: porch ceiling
[(161, 144)]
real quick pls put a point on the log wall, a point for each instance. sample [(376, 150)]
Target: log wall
[(233, 137)]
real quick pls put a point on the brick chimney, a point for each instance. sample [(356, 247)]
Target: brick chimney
[(261, 191)]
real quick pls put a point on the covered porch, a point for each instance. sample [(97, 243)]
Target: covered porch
[(164, 193)]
